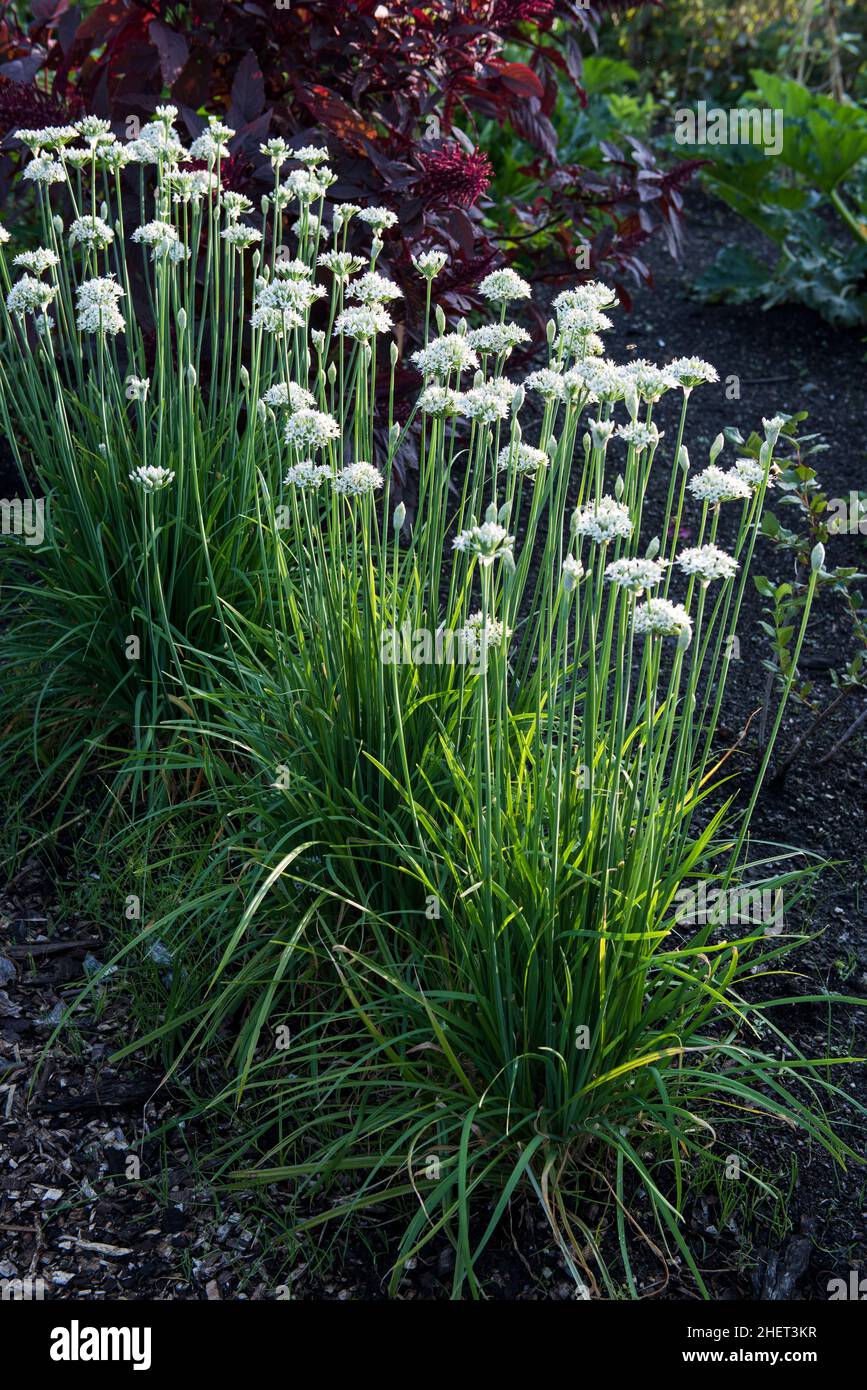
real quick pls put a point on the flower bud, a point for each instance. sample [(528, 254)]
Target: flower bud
[(717, 447), (399, 516)]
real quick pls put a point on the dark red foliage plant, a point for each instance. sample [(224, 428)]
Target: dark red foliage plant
[(396, 90)]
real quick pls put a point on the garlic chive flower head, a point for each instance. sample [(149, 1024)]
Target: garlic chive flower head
[(523, 458), (497, 337), (163, 240), (4, 236), (373, 288), (480, 636), (235, 204), (639, 436), (307, 475), (600, 433), (573, 573), (94, 130), (489, 401), (546, 383), (772, 428), (97, 306), (692, 371), (592, 295), (48, 137), (293, 269), (310, 431), (137, 387), (307, 185), (358, 480), (430, 263), (91, 232), (441, 400), (281, 303), (657, 617), (752, 472), (649, 381), (445, 355), (315, 227), (378, 218), (603, 521), (289, 394), (37, 261), (342, 264), (151, 478), (277, 151), (486, 543), (30, 296), (344, 213), (502, 286), (240, 236), (310, 155), (44, 169), (635, 574), (713, 485), (363, 321), (707, 562)]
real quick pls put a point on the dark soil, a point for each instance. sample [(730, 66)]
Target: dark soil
[(76, 1214)]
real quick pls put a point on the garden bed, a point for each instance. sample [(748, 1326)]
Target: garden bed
[(178, 1240)]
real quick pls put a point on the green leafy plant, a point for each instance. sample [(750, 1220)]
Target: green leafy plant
[(451, 758), (818, 174)]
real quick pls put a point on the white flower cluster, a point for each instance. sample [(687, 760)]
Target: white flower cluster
[(445, 356), (163, 240), (603, 521), (281, 304), (502, 286), (97, 306), (546, 383), (635, 574), (479, 635), (363, 322), (151, 478), (486, 543), (289, 394), (691, 371), (310, 431), (639, 436), (373, 288), (707, 562), (430, 263), (497, 337), (523, 458), (714, 485), (358, 480), (30, 296), (92, 232), (489, 401), (37, 261), (657, 617), (307, 475)]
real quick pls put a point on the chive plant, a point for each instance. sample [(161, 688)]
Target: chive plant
[(464, 763)]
